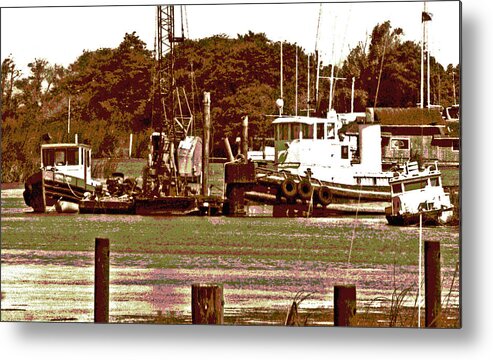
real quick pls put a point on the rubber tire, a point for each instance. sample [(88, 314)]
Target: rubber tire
[(324, 195), (288, 188), (304, 190)]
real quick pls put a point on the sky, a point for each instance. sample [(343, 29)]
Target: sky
[(60, 34)]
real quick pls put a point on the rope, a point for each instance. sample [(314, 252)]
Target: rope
[(354, 231), (70, 188)]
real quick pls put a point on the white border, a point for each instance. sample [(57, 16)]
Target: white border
[(82, 341)]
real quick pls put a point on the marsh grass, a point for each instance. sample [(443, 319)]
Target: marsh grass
[(245, 244)]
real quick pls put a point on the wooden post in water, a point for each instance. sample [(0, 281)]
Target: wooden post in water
[(206, 142), (344, 304), (207, 304), (433, 303), (244, 137), (102, 280)]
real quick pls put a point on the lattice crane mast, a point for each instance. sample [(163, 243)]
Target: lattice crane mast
[(162, 176)]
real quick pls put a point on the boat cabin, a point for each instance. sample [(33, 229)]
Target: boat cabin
[(311, 140), (298, 127), (413, 191), (69, 159)]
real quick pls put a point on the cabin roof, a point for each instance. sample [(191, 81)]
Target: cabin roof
[(408, 116), (302, 120), (64, 145)]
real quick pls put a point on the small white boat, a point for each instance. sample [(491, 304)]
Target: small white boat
[(65, 172), (416, 193)]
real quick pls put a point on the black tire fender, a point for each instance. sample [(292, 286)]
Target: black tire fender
[(304, 189), (324, 195), (288, 188)]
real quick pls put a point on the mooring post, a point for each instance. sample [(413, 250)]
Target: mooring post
[(102, 281), (344, 304), (207, 304), (205, 151), (433, 293), (244, 137)]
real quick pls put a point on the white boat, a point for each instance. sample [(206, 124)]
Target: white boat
[(416, 193), (351, 167), (65, 173)]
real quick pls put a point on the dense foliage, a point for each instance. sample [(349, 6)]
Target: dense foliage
[(110, 91)]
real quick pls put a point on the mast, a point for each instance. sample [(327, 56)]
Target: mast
[(317, 56), (296, 86), (331, 87), (163, 176), (425, 53), (308, 91), (166, 46), (453, 84), (282, 95), (427, 62), (352, 95), (421, 87)]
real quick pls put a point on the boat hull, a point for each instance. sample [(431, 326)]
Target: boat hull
[(109, 205), (44, 188), (430, 218), (166, 205), (359, 192)]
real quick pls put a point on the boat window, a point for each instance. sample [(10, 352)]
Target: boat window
[(434, 181), (396, 188), (59, 157), (344, 152), (283, 131), (320, 131), (399, 144), (295, 131), (87, 158), (331, 131), (415, 185), (48, 157), (73, 156), (307, 131)]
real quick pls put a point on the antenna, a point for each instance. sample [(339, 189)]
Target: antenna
[(317, 39)]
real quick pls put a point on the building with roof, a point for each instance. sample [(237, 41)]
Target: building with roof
[(414, 133)]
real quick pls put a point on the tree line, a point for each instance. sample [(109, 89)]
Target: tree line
[(109, 91)]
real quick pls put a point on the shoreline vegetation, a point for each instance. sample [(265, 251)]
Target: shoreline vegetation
[(110, 91)]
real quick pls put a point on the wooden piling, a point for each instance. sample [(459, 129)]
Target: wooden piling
[(130, 146), (207, 304), (244, 137), (102, 280), (236, 198), (433, 304), (206, 142), (344, 304)]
